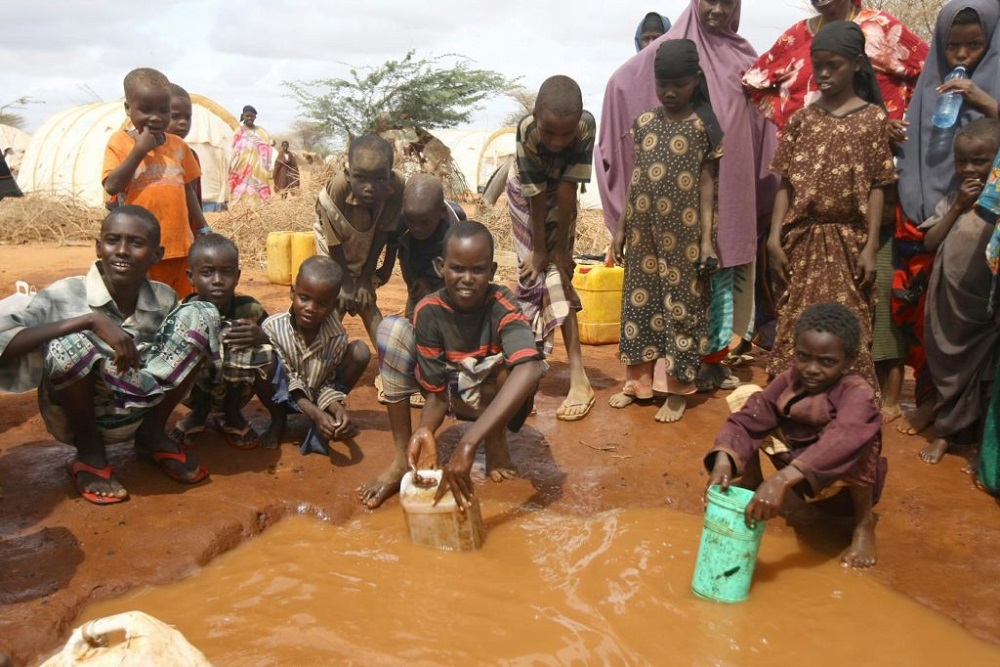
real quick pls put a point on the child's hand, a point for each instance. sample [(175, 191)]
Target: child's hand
[(708, 261), (533, 266), (616, 252), (364, 295), (768, 501), (456, 476), (421, 450), (866, 269), (126, 353), (347, 297), (779, 261), (563, 261), (973, 95), (721, 474), (147, 140), (968, 193), (332, 422), (897, 131), (245, 333)]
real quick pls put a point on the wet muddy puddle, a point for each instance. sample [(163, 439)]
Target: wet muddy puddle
[(546, 589)]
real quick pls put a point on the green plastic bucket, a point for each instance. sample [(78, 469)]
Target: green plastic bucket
[(728, 551)]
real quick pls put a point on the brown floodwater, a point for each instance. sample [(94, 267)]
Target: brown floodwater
[(546, 589)]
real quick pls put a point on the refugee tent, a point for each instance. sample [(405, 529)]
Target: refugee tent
[(66, 154), (11, 137), (478, 152)]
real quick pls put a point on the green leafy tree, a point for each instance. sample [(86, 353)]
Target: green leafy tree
[(435, 92)]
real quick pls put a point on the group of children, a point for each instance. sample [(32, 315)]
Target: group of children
[(117, 348)]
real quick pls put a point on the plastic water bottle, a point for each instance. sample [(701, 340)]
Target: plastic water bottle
[(950, 103)]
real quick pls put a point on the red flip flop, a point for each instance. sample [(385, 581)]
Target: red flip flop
[(160, 458), (76, 466)]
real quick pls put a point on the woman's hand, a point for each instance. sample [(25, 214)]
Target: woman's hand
[(866, 268)]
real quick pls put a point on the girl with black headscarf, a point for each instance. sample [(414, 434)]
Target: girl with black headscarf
[(834, 159)]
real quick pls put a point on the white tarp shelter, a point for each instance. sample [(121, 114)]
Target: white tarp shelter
[(11, 137), (66, 154)]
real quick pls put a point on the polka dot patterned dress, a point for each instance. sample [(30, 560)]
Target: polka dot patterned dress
[(665, 304)]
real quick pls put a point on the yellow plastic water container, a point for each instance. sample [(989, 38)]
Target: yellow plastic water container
[(279, 258), (443, 526), (600, 290), (303, 247)]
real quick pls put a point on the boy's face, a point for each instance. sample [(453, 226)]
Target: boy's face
[(180, 116), (819, 360), (974, 158), (467, 270), (126, 250), (423, 220), (556, 132), (368, 175), (313, 301), (214, 274), (966, 46), (149, 107)]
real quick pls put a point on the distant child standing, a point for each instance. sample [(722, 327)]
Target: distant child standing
[(818, 424), (355, 213), (150, 168), (665, 236), (181, 111), (555, 148), (834, 159)]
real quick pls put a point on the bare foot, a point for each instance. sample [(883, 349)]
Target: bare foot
[(499, 465), (621, 400), (916, 420), (862, 552), (891, 414), (377, 491), (672, 410), (577, 404), (934, 452)]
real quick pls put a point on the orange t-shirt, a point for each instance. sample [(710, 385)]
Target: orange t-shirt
[(158, 185)]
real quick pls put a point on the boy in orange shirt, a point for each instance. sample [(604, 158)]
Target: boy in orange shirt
[(155, 170)]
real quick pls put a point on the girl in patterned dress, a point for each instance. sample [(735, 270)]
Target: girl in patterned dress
[(834, 159), (665, 239)]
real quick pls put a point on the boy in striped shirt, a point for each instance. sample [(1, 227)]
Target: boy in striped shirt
[(472, 353)]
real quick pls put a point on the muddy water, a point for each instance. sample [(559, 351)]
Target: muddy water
[(546, 589)]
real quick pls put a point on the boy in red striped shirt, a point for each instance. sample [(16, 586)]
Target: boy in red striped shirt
[(470, 351)]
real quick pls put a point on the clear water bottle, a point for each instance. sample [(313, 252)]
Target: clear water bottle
[(949, 104)]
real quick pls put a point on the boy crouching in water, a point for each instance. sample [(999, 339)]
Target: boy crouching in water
[(247, 361), (469, 350), (111, 355), (826, 428), (318, 364)]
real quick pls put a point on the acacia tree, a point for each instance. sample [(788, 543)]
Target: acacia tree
[(525, 99), (434, 92), (918, 15)]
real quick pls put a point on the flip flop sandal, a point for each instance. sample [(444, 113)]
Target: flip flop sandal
[(239, 438), (76, 467), (577, 417), (731, 382), (185, 436), (161, 458), (417, 400)]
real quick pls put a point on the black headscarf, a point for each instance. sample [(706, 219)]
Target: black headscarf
[(249, 109), (846, 38), (678, 59)]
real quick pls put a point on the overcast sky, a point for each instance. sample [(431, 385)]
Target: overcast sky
[(69, 52)]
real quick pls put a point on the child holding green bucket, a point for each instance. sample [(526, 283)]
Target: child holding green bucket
[(820, 426)]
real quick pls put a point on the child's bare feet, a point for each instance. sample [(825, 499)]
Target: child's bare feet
[(672, 410), (499, 465), (917, 420), (934, 452), (621, 400), (377, 491), (862, 552), (891, 413), (271, 438)]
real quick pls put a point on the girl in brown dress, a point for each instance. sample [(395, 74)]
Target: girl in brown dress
[(665, 236), (834, 160)]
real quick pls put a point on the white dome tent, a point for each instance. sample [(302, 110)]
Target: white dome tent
[(11, 137), (66, 154)]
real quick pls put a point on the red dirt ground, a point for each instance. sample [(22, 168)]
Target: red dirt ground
[(938, 536)]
